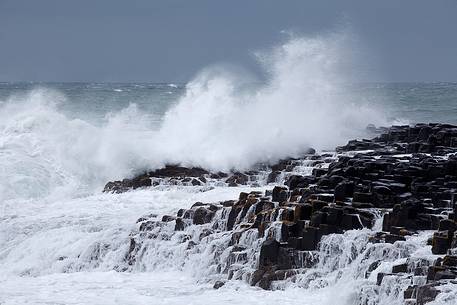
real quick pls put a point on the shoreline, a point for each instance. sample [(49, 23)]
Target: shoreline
[(406, 176)]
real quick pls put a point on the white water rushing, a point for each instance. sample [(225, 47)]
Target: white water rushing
[(221, 122), (61, 239)]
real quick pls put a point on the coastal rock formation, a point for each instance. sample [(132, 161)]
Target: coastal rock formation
[(193, 176), (406, 177)]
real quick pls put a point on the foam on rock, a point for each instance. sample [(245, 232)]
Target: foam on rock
[(406, 176)]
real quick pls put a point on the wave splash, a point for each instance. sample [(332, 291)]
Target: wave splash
[(223, 121), (43, 153)]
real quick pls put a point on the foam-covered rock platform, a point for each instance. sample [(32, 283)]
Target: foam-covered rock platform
[(404, 179)]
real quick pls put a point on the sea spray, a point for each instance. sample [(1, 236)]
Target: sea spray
[(221, 124), (345, 265), (44, 153), (223, 121)]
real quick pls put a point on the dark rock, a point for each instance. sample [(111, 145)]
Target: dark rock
[(362, 197), (269, 253), (202, 215), (237, 178), (218, 284), (191, 244), (351, 222), (402, 268), (318, 205), (148, 225), (130, 257), (180, 224), (196, 182), (303, 212), (441, 242), (445, 275), (418, 188), (372, 267), (383, 197), (234, 211), (296, 181), (273, 255), (450, 260), (318, 218), (343, 190), (310, 239), (379, 278), (319, 172), (409, 214), (409, 292), (447, 225), (121, 186), (167, 218), (360, 205), (334, 216), (273, 176), (178, 171), (392, 238), (329, 198), (426, 293), (140, 181), (279, 194), (180, 212)]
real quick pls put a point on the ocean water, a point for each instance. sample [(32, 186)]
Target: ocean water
[(62, 239)]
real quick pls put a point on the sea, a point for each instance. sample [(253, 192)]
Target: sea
[(62, 239)]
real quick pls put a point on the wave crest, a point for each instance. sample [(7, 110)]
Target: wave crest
[(222, 123), (225, 120)]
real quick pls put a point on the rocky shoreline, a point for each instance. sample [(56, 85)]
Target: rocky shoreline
[(405, 177)]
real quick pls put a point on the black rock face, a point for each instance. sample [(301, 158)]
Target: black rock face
[(269, 253), (407, 174), (169, 171)]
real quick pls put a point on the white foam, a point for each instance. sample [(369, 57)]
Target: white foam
[(44, 153), (35, 234), (62, 241), (167, 288), (223, 121)]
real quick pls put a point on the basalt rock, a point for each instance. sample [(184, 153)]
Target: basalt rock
[(202, 215), (126, 184), (279, 194), (175, 174), (405, 175), (178, 171), (237, 178), (426, 293), (427, 138), (343, 190), (218, 284), (145, 180)]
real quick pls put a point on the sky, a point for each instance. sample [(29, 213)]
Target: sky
[(170, 41)]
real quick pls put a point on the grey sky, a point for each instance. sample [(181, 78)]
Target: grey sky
[(139, 40)]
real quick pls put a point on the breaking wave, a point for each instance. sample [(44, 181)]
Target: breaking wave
[(223, 121)]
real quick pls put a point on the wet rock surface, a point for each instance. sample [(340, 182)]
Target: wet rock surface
[(195, 176), (176, 173), (407, 175)]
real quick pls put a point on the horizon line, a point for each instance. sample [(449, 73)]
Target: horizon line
[(184, 83)]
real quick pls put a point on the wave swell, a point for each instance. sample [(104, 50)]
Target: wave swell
[(223, 121)]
